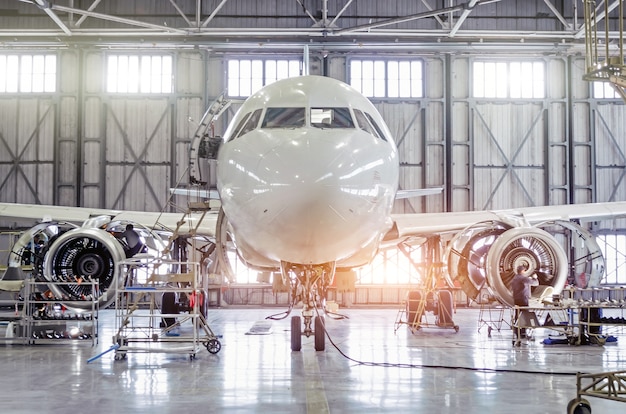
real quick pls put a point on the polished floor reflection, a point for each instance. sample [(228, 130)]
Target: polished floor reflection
[(366, 368)]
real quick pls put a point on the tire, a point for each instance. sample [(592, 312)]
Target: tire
[(578, 407), (168, 305), (213, 346), (296, 333), (320, 334)]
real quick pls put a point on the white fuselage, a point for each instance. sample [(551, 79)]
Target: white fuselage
[(303, 179)]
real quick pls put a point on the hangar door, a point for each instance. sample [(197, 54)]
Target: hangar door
[(27, 149), (510, 154), (127, 165)]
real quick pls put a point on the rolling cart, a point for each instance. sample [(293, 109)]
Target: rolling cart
[(552, 317), (148, 318), (605, 385)]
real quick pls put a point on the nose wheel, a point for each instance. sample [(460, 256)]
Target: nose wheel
[(319, 333)]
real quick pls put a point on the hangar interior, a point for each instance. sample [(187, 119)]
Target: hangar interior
[(501, 104), (78, 133)]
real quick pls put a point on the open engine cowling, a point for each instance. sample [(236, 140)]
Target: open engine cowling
[(83, 254), (487, 254), (531, 247)]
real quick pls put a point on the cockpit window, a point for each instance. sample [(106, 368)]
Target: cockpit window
[(331, 118), (376, 126), (251, 124), (364, 123), (239, 126), (283, 118), (367, 123)]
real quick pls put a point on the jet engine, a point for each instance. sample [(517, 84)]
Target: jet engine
[(69, 256), (80, 255), (486, 254)]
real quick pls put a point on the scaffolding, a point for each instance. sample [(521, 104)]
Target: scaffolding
[(150, 319)]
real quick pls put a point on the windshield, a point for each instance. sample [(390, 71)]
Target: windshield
[(331, 118), (283, 118)]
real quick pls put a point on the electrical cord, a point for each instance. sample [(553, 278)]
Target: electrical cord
[(407, 365)]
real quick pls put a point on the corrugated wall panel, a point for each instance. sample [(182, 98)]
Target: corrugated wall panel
[(190, 73), (69, 68), (28, 140), (610, 147), (92, 153), (558, 153), (461, 178), (94, 72), (461, 158), (579, 88), (582, 141), (66, 144), (216, 76), (67, 151)]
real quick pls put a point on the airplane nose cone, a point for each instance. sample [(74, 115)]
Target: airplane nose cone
[(294, 167), (304, 194)]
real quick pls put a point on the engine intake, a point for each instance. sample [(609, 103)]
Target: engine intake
[(83, 254)]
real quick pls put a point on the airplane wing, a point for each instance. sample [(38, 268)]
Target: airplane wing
[(190, 224), (87, 250), (418, 192), (486, 246), (431, 223), (195, 193)]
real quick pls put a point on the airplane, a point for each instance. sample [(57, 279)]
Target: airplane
[(307, 175)]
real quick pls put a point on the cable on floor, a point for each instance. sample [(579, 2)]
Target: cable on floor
[(401, 365)]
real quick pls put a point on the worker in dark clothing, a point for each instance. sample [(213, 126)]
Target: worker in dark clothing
[(133, 240), (520, 286)]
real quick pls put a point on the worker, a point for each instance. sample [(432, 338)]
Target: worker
[(520, 286), (133, 241)]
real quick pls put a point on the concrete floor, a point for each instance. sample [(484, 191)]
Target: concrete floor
[(367, 368)]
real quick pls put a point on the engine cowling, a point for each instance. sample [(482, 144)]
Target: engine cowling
[(83, 254), (487, 254)]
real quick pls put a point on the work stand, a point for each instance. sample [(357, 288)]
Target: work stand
[(413, 313), (605, 385), (525, 319), (428, 297), (161, 310), (492, 317)]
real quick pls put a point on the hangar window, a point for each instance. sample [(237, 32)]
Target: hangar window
[(387, 78), (524, 80), (604, 90), (28, 73), (613, 247), (139, 74), (246, 76)]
